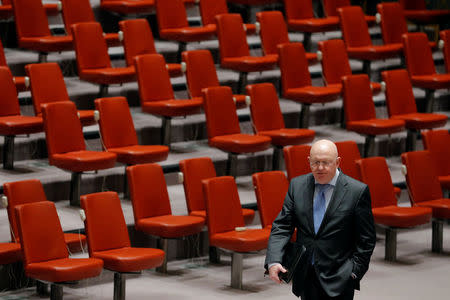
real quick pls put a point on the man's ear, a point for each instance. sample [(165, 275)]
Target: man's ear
[(338, 161)]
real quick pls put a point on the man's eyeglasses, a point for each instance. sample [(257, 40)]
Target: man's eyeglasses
[(325, 163)]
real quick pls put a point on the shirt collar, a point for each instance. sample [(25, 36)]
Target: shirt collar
[(333, 180)]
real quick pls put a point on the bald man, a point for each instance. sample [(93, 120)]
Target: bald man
[(333, 216)]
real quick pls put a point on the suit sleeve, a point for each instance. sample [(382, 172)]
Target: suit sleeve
[(282, 229), (365, 236)]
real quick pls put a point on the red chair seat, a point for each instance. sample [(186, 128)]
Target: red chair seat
[(19, 81), (75, 241), (9, 253), (422, 120), (432, 81), (65, 269), (441, 207), (247, 213), (188, 34), (109, 75), (313, 94), (314, 24), (251, 63), (427, 16), (444, 181), (174, 70), (130, 259), (375, 52), (241, 241), (376, 126), (289, 136), (401, 217), (127, 7), (47, 43), (13, 125), (240, 143), (375, 86), (80, 161), (170, 226), (139, 154), (173, 108)]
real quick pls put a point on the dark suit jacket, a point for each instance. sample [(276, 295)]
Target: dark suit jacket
[(345, 240)]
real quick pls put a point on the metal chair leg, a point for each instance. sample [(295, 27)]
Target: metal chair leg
[(390, 248), (119, 286), (8, 152), (437, 235), (242, 82), (42, 57), (182, 46), (307, 41), (369, 145), (166, 130), (411, 140), (41, 288), (163, 245), (277, 157), (75, 184), (103, 90), (366, 67), (236, 270), (214, 255), (56, 292), (232, 164), (304, 116), (429, 96)]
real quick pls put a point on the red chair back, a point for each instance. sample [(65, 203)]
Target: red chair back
[(171, 14), (355, 31), (399, 93), (76, 11), (349, 154), (418, 56), (293, 66), (335, 63), (393, 23), (8, 101), (358, 103), (209, 9), (296, 160), (298, 9), (273, 30), (232, 37), (437, 142), (137, 39)]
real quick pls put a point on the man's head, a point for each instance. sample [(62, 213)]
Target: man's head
[(324, 160)]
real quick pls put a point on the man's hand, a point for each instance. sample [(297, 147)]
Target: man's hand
[(274, 270)]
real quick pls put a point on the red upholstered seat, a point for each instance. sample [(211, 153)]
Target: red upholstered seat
[(273, 32), (270, 189), (10, 253), (335, 64), (296, 160), (79, 11), (241, 241), (45, 255), (401, 217), (82, 160), (195, 170), (109, 241), (223, 125), (47, 85), (445, 38), (156, 93), (357, 38), (33, 30), (93, 62), (209, 9), (417, 12), (11, 121), (234, 51), (437, 142), (30, 191), (201, 73), (119, 135), (296, 81), (138, 40), (360, 110), (19, 81)]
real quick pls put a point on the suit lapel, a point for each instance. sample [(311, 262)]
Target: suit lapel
[(309, 199), (338, 194)]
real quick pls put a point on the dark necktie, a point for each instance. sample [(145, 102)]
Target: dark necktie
[(319, 205)]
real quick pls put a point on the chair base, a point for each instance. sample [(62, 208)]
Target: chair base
[(304, 116), (277, 157), (232, 164), (182, 46), (236, 270), (103, 90), (8, 152), (411, 140), (437, 235), (42, 57), (163, 245), (242, 83), (390, 248), (307, 41), (75, 184), (41, 288), (56, 292), (166, 129), (367, 67), (429, 97), (119, 286), (214, 255), (369, 146)]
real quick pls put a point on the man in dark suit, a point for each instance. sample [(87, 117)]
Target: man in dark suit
[(333, 216)]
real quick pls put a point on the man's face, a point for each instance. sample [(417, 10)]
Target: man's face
[(323, 164)]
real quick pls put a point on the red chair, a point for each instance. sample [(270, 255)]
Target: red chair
[(223, 128), (156, 93), (225, 224), (47, 85), (357, 39), (194, 171), (209, 9), (80, 11), (10, 253), (138, 40), (425, 191), (234, 51), (296, 160), (173, 25), (437, 142), (330, 8), (33, 31), (267, 120), (109, 241), (151, 207), (335, 64), (296, 81), (45, 256), (12, 123), (386, 212), (402, 105), (93, 62), (300, 17), (66, 147), (201, 73), (270, 190), (273, 32), (19, 81), (360, 112), (420, 65), (31, 191), (128, 7), (6, 10), (445, 45), (417, 12)]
